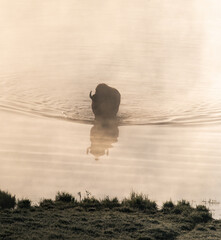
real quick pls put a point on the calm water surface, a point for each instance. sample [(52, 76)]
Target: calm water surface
[(164, 58)]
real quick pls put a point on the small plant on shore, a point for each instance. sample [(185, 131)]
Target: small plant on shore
[(183, 207), (110, 203), (200, 214), (141, 202), (88, 194), (24, 203), (64, 197), (7, 200), (202, 208), (79, 194), (183, 203), (89, 202), (47, 203), (168, 206)]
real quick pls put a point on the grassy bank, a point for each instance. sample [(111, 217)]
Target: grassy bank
[(135, 217)]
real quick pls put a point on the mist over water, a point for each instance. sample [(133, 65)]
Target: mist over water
[(164, 57), (159, 54)]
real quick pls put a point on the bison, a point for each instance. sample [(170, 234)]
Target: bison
[(105, 102)]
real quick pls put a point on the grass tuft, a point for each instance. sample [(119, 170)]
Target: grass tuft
[(183, 207), (47, 203), (168, 206), (64, 197), (141, 202), (7, 200), (200, 214), (202, 208), (24, 203), (90, 202), (110, 203)]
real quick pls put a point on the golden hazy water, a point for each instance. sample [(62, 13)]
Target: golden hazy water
[(164, 58), (40, 156)]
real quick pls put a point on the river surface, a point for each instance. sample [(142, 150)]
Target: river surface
[(165, 59)]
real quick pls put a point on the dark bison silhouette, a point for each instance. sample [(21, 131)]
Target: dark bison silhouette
[(105, 102)]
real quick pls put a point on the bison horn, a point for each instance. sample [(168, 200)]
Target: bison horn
[(91, 95)]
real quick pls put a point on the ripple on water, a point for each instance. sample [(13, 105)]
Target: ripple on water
[(82, 113)]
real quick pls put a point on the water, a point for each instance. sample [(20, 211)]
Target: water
[(163, 57)]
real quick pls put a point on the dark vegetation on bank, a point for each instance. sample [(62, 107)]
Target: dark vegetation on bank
[(136, 217)]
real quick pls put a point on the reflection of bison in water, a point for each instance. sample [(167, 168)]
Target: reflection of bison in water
[(102, 136), (105, 102)]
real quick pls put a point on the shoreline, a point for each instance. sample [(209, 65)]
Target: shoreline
[(135, 217)]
